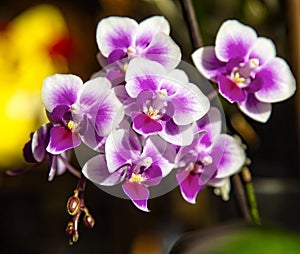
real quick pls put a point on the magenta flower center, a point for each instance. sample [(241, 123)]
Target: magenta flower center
[(243, 74)]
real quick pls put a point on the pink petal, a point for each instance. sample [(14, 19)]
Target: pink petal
[(62, 139), (230, 90), (189, 185), (144, 125), (138, 194)]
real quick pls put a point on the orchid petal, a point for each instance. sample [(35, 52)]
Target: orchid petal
[(259, 111), (278, 82), (181, 135), (96, 171), (143, 74), (189, 185), (161, 153), (234, 39), (190, 104), (207, 63), (230, 90), (118, 150), (109, 113), (263, 50), (115, 33), (144, 125), (61, 140), (92, 139), (149, 27), (164, 50), (228, 156), (60, 89), (211, 124), (93, 93), (138, 194), (152, 175), (39, 142)]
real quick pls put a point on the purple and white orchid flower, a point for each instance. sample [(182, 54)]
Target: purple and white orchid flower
[(133, 160), (122, 37), (163, 102), (246, 69), (78, 111), (210, 159), (34, 151)]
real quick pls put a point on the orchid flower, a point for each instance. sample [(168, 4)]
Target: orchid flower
[(122, 37), (34, 151), (246, 69), (163, 102), (78, 111), (210, 159), (133, 160)]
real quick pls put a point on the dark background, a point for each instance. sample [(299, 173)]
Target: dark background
[(33, 211)]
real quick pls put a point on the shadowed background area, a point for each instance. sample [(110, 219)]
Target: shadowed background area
[(40, 38)]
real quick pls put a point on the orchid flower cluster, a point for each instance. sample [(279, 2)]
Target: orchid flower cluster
[(145, 119)]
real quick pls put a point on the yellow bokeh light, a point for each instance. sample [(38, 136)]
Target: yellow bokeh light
[(25, 60)]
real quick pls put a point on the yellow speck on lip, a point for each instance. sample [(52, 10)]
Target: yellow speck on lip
[(72, 125), (238, 79), (152, 113), (135, 178)]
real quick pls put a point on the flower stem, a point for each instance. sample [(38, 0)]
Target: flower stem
[(71, 168), (241, 197), (247, 178), (192, 24)]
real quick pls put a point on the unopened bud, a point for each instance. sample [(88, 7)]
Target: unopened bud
[(70, 228), (73, 205), (75, 237), (89, 221)]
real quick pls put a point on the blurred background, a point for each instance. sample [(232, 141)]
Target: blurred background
[(40, 38)]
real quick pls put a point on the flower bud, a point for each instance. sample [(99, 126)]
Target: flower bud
[(73, 205), (89, 221), (70, 228)]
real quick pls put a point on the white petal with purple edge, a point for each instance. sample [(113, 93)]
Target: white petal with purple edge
[(207, 63), (234, 39), (278, 81), (163, 50), (229, 156), (96, 170), (115, 33), (263, 50), (259, 111), (60, 89), (118, 150), (149, 27), (138, 194), (143, 74)]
